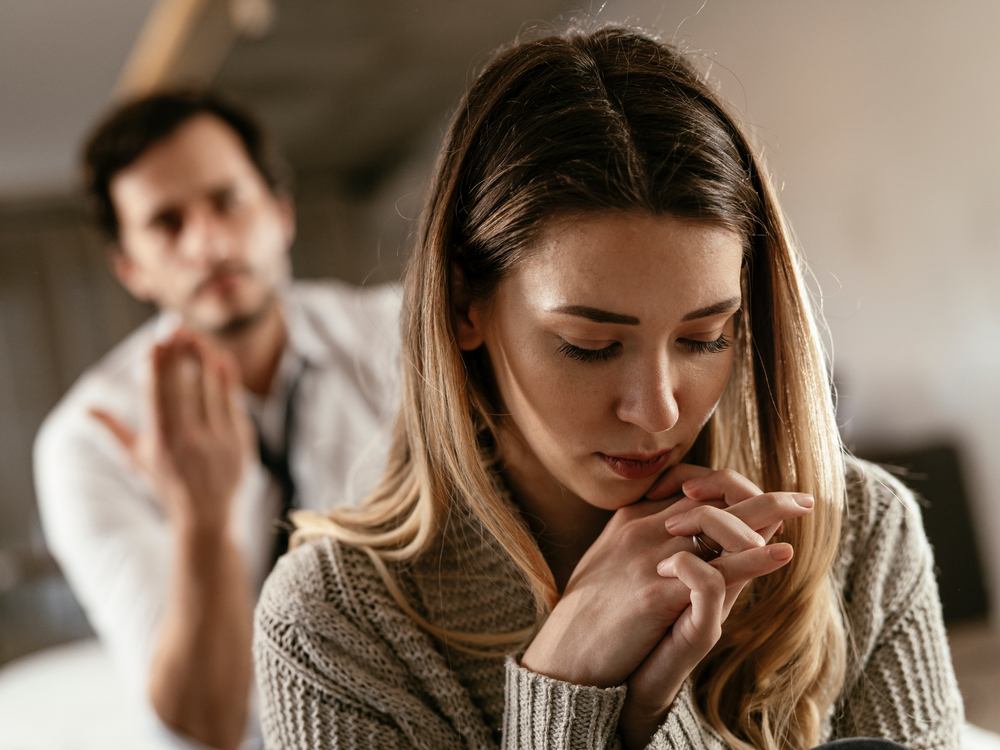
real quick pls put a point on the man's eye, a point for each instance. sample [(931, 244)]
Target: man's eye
[(224, 201), (590, 355), (168, 223)]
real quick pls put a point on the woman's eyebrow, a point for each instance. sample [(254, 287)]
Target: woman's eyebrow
[(603, 316), (726, 306), (598, 316)]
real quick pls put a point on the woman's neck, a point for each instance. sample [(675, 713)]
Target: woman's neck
[(564, 525)]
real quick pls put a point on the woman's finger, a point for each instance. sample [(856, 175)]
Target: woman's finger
[(744, 567), (670, 481), (725, 484), (768, 511), (729, 533), (708, 595)]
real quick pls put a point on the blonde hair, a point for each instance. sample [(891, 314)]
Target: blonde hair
[(631, 128)]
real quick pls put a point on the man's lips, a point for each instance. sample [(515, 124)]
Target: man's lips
[(635, 465), (222, 281)]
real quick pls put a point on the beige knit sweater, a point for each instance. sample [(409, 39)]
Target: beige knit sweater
[(339, 665)]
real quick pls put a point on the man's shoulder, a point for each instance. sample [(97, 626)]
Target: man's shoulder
[(337, 306), (334, 316), (114, 383), (333, 299)]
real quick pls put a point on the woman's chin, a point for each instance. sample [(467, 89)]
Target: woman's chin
[(615, 494)]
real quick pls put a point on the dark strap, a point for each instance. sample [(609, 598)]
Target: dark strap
[(279, 467), (860, 743)]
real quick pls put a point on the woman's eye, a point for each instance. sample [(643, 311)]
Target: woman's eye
[(589, 355), (707, 347)]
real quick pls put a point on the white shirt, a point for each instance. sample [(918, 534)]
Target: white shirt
[(101, 519)]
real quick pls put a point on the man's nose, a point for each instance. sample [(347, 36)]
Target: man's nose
[(650, 400), (207, 237)]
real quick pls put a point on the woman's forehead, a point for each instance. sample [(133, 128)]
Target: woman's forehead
[(631, 261)]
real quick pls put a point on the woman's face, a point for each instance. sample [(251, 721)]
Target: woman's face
[(610, 343)]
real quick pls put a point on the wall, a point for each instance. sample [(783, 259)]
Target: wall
[(882, 124)]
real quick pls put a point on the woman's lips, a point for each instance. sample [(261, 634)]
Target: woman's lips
[(632, 466)]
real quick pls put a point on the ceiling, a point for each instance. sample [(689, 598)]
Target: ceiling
[(349, 88), (59, 61)]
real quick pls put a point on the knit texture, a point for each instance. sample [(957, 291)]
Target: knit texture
[(340, 665)]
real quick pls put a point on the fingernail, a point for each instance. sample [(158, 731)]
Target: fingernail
[(780, 552), (672, 522), (804, 501), (691, 484), (661, 568)]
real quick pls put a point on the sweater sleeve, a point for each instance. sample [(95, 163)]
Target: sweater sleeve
[(684, 727), (543, 713), (900, 683)]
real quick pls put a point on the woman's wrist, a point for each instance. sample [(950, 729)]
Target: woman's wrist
[(548, 663)]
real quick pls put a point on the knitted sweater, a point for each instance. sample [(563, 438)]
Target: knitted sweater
[(340, 665)]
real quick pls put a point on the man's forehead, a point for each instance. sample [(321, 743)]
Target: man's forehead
[(202, 156)]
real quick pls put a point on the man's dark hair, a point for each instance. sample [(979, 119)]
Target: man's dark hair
[(129, 131)]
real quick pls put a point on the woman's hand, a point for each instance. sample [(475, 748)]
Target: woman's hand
[(616, 608), (713, 587)]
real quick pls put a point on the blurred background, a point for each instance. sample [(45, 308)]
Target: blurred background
[(880, 122)]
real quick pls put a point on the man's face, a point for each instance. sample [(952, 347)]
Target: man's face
[(201, 234)]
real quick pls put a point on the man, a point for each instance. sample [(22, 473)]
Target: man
[(163, 473)]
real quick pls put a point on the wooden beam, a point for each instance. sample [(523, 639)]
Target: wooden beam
[(183, 42)]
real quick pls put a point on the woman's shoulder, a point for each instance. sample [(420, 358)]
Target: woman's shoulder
[(882, 521), (885, 559), (322, 577), (876, 498)]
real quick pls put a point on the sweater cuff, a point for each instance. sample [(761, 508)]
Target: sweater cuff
[(684, 729), (546, 714)]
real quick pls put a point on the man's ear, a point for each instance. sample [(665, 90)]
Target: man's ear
[(468, 315), (128, 273), (286, 210)]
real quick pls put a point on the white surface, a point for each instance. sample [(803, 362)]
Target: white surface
[(70, 698), (974, 738)]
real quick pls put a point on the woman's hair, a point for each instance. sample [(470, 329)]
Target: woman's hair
[(612, 120)]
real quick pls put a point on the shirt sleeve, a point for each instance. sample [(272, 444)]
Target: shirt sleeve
[(108, 534), (900, 682), (111, 538)]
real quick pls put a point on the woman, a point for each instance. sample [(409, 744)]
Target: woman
[(608, 354)]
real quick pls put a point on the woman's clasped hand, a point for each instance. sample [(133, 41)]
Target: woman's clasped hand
[(641, 607)]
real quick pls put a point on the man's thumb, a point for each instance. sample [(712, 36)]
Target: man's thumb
[(122, 432)]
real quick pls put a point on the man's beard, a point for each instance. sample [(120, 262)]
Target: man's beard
[(241, 324)]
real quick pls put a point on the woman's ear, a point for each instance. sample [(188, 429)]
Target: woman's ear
[(468, 315)]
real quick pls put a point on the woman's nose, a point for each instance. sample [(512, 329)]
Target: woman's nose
[(650, 401)]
